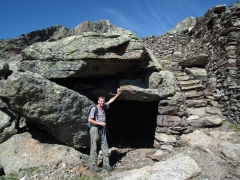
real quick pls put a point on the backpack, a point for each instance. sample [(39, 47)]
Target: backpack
[(88, 124)]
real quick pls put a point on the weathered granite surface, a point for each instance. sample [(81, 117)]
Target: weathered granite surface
[(56, 109), (27, 150), (89, 54), (177, 167)]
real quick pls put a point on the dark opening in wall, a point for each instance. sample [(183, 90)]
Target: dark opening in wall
[(132, 123)]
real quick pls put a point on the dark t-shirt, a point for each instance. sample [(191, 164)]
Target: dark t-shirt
[(101, 117)]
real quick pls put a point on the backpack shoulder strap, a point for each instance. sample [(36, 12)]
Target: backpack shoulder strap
[(95, 112), (90, 108)]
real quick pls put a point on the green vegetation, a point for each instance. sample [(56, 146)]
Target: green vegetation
[(10, 177), (229, 126), (30, 170), (194, 128), (17, 176), (234, 127)]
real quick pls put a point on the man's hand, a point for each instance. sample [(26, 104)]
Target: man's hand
[(118, 91), (115, 96), (103, 124)]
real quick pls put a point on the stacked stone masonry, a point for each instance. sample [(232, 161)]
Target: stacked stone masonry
[(205, 62)]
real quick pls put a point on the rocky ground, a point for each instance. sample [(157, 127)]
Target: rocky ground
[(212, 166)]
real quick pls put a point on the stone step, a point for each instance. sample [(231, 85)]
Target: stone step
[(180, 73), (189, 82), (196, 103), (197, 73), (165, 62), (183, 78), (193, 94), (174, 66), (187, 88)]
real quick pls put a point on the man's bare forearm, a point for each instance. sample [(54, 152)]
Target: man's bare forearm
[(115, 97), (92, 121)]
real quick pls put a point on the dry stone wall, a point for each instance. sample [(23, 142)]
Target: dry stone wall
[(217, 35), (205, 62)]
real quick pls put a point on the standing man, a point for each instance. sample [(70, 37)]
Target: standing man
[(98, 132)]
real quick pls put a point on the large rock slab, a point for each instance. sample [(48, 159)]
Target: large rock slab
[(85, 46), (88, 54), (178, 167), (56, 109), (138, 91), (23, 151), (210, 144)]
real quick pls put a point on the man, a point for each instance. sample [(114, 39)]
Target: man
[(98, 132)]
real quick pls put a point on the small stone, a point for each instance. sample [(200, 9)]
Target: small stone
[(228, 175), (167, 147)]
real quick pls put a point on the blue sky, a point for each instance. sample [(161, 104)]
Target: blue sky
[(143, 17)]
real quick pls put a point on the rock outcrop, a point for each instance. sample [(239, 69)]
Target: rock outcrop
[(102, 26), (178, 167), (22, 151), (90, 54), (56, 109), (62, 112), (12, 47), (212, 144), (184, 26)]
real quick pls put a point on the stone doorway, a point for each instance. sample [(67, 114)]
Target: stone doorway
[(131, 124)]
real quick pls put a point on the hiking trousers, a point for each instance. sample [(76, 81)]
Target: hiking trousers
[(97, 137)]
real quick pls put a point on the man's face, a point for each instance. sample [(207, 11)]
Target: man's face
[(101, 102)]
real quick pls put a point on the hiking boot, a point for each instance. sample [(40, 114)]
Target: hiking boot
[(107, 167), (95, 168)]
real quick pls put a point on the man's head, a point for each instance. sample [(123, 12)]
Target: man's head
[(101, 101)]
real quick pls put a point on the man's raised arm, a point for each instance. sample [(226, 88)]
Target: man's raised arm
[(115, 97)]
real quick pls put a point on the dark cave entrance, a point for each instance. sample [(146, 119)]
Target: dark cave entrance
[(131, 124)]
